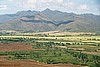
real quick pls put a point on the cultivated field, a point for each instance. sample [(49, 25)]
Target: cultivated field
[(15, 47), (50, 51), (31, 63)]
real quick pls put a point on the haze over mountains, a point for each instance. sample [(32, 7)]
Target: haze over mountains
[(48, 20)]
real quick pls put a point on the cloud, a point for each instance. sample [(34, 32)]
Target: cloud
[(10, 0), (97, 9), (53, 4), (76, 6), (60, 1), (3, 7), (42, 4), (38, 4), (70, 5), (31, 3), (83, 7)]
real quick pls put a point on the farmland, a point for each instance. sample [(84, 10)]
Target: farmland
[(51, 50)]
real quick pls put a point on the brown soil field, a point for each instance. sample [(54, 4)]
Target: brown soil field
[(31, 63), (15, 47), (27, 62)]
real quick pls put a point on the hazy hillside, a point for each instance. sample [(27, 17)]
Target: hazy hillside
[(48, 20)]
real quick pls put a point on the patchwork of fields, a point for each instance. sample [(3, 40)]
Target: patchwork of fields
[(50, 51)]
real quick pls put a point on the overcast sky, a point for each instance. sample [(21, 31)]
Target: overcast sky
[(75, 6)]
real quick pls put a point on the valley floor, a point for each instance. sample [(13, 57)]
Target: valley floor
[(50, 51)]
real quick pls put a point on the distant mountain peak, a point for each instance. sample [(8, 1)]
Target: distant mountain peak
[(49, 20), (29, 11), (47, 9)]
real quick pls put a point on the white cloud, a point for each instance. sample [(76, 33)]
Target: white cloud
[(10, 0), (38, 4), (60, 1), (70, 5), (62, 5), (37, 1), (83, 7), (3, 7), (97, 10), (54, 4), (31, 1)]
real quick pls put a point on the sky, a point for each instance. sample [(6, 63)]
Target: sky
[(70, 6)]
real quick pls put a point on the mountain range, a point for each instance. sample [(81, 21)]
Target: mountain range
[(49, 20)]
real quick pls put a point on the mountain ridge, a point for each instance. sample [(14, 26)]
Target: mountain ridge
[(49, 20)]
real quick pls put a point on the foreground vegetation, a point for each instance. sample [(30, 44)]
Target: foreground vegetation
[(80, 49)]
